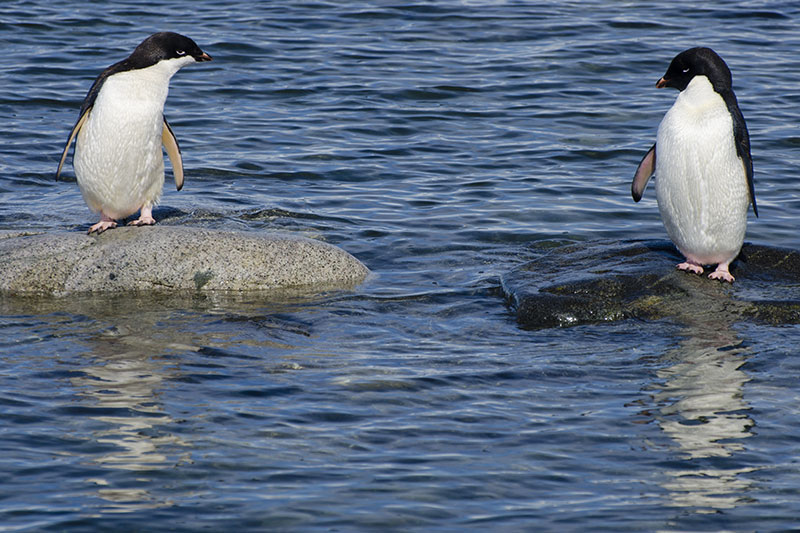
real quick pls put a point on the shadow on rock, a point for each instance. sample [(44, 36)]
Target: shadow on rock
[(591, 282)]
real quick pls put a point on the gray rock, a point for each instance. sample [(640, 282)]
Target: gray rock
[(170, 258), (577, 283)]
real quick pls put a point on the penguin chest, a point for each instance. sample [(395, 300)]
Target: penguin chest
[(118, 160), (701, 186)]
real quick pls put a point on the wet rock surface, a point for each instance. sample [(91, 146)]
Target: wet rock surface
[(589, 282), (170, 258)]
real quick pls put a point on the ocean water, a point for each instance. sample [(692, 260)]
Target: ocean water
[(435, 141)]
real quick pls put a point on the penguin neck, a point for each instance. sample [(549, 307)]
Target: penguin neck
[(150, 84), (699, 95), (698, 112)]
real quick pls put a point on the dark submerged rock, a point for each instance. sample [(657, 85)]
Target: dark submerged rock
[(590, 282)]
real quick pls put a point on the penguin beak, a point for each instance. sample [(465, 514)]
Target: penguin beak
[(203, 57), (661, 83)]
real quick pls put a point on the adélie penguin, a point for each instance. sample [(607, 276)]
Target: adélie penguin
[(118, 159), (702, 164)]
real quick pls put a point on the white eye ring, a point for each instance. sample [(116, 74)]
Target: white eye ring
[(686, 70), (180, 52)]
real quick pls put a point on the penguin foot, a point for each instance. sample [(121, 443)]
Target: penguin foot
[(691, 267), (721, 273), (142, 221), (104, 224), (145, 218)]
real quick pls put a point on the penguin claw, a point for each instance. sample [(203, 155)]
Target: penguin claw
[(691, 267)]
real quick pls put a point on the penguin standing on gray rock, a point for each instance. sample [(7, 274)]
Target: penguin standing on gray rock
[(118, 159), (701, 160)]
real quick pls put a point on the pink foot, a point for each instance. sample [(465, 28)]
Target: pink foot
[(722, 273), (691, 267), (145, 218), (104, 224)]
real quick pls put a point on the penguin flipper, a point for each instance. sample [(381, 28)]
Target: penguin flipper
[(646, 168), (75, 129), (174, 153)]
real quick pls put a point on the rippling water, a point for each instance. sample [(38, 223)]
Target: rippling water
[(434, 141)]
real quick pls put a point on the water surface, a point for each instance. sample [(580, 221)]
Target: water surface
[(435, 141)]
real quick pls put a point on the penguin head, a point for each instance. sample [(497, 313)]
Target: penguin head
[(166, 46), (697, 62)]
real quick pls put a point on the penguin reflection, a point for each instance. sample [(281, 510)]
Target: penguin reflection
[(703, 410)]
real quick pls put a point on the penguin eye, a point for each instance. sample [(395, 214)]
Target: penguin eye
[(180, 52), (686, 70)]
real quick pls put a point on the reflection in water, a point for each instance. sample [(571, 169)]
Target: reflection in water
[(128, 385), (704, 412), (129, 369), (122, 383)]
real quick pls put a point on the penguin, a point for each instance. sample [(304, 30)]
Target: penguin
[(121, 126), (702, 164)]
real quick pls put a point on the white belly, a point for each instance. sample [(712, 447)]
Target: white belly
[(119, 161), (700, 181)]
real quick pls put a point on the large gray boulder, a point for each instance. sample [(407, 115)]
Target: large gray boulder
[(576, 283), (170, 258)]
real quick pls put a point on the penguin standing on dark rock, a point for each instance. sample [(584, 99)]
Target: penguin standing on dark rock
[(701, 160), (118, 159)]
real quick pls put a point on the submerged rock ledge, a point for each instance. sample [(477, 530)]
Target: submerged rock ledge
[(577, 283), (170, 258)]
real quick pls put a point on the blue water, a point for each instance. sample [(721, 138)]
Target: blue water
[(434, 141)]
